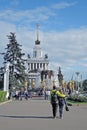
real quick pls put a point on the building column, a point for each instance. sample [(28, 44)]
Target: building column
[(30, 66), (45, 67), (33, 66), (39, 65), (36, 65)]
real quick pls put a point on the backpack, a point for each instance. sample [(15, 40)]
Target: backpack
[(54, 97)]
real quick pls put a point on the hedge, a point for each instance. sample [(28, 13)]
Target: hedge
[(2, 96), (78, 98)]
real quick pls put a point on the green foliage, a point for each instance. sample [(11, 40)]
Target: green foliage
[(14, 56), (78, 98), (85, 85), (2, 96)]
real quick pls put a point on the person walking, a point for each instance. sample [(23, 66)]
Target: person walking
[(62, 103), (54, 96)]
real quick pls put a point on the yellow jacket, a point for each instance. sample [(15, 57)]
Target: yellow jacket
[(58, 93)]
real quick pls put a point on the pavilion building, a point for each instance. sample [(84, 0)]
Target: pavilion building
[(37, 64)]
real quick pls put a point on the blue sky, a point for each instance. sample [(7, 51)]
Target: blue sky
[(63, 31)]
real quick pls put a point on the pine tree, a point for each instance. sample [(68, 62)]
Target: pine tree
[(14, 56)]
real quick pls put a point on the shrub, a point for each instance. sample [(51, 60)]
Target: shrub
[(2, 96), (78, 98)]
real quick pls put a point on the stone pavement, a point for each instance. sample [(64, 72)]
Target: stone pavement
[(36, 114)]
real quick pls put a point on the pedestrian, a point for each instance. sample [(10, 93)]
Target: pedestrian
[(54, 95), (26, 94), (47, 94), (62, 103)]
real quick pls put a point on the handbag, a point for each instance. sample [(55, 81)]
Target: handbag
[(66, 108)]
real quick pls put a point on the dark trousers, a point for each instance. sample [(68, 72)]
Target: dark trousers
[(54, 109)]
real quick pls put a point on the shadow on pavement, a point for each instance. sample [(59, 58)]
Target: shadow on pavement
[(14, 116)]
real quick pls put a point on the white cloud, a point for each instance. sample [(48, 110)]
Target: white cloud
[(67, 49), (63, 5), (5, 29), (37, 14)]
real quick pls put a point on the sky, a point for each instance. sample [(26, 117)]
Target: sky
[(62, 31)]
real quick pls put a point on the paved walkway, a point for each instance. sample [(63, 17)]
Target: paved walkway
[(36, 114)]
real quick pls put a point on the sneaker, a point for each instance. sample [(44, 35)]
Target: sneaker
[(54, 117), (61, 117)]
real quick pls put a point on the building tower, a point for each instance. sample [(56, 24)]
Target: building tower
[(36, 63)]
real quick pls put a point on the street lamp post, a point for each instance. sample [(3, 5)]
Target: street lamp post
[(81, 81), (6, 79), (77, 73)]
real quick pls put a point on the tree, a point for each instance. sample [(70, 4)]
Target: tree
[(14, 56), (85, 85)]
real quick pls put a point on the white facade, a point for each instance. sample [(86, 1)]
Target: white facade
[(36, 63), (37, 52)]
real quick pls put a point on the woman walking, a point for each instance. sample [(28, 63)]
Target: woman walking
[(62, 102)]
